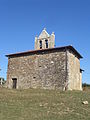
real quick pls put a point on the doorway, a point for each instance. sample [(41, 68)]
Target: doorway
[(14, 83)]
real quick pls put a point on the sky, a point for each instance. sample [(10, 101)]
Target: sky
[(22, 20)]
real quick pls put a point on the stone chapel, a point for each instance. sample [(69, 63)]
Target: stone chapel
[(46, 67)]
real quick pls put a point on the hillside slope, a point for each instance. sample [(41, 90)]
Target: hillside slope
[(37, 104)]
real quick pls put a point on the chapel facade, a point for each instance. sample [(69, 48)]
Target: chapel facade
[(46, 67)]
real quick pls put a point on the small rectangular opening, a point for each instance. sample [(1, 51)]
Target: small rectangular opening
[(46, 41), (14, 83), (40, 44)]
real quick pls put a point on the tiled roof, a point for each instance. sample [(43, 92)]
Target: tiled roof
[(48, 49)]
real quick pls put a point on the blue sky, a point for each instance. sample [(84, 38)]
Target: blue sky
[(22, 20)]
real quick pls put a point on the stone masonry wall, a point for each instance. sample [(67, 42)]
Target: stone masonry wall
[(42, 70), (74, 79)]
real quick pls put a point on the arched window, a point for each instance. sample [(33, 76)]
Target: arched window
[(46, 42), (40, 44)]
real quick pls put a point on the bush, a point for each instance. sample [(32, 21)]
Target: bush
[(85, 85)]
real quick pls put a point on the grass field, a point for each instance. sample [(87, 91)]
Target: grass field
[(36, 104)]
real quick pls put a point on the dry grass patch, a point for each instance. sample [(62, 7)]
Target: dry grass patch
[(37, 104)]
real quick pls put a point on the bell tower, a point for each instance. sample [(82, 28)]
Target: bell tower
[(45, 41)]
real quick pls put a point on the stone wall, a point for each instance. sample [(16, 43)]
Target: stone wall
[(74, 77), (42, 70)]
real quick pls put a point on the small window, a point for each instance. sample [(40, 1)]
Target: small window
[(34, 77), (40, 44), (46, 41)]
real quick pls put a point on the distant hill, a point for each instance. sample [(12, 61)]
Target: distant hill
[(85, 85)]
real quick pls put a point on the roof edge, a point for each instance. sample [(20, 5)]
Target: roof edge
[(49, 49)]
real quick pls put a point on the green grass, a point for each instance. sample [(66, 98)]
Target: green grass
[(36, 104)]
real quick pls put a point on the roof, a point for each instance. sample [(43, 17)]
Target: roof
[(43, 50)]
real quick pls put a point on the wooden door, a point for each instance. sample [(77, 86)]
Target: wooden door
[(14, 83)]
